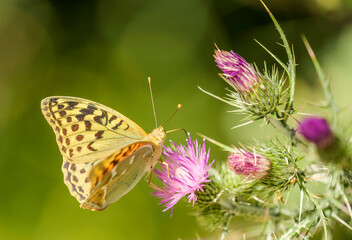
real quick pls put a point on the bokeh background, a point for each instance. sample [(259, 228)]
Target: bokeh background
[(104, 51)]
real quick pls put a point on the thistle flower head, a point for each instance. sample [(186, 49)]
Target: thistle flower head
[(250, 165), (317, 131), (236, 71), (185, 172)]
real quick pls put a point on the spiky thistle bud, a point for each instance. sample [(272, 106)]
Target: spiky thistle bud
[(273, 167), (248, 164), (254, 93)]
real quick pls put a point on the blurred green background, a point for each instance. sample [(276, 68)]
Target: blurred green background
[(104, 51)]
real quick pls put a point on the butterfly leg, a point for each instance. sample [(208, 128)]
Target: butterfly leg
[(151, 176), (152, 185), (168, 172), (167, 167)]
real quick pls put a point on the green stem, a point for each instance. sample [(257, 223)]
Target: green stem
[(264, 230), (284, 129), (280, 125), (297, 229), (291, 68), (237, 208), (324, 82), (254, 210), (225, 229), (301, 181)]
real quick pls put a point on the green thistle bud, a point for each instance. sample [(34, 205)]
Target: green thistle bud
[(213, 217), (283, 169), (208, 196), (215, 204)]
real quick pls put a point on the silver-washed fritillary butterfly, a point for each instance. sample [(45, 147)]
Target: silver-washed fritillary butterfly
[(105, 154)]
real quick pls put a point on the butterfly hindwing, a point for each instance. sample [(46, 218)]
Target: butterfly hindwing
[(114, 177), (88, 131), (76, 178)]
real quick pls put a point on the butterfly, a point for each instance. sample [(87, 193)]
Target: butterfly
[(105, 154)]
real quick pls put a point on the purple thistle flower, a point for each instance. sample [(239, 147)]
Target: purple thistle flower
[(248, 164), (317, 131), (185, 172), (236, 71)]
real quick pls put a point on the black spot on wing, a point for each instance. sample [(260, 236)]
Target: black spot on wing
[(62, 113), (80, 117), (88, 125), (66, 165), (90, 147), (86, 111), (102, 119), (80, 189), (91, 106), (99, 135), (98, 119), (71, 105), (112, 118), (117, 125), (53, 101)]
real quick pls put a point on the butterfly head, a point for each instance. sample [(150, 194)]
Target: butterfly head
[(158, 136)]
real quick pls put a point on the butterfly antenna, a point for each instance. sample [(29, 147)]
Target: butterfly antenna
[(177, 129), (178, 107), (151, 95)]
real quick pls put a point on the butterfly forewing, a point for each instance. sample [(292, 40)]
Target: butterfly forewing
[(88, 131)]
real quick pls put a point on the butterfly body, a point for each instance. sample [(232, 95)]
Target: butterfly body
[(105, 154)]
